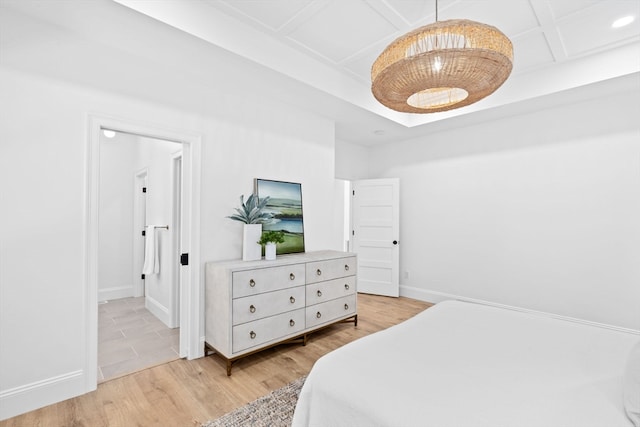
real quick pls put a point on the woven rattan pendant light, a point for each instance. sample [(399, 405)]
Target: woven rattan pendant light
[(442, 66)]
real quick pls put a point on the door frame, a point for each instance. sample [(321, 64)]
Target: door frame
[(175, 314), (191, 291), (139, 221)]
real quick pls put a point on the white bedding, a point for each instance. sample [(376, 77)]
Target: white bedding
[(468, 365)]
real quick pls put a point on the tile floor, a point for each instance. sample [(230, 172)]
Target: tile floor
[(130, 338)]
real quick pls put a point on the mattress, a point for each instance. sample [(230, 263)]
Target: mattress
[(460, 364)]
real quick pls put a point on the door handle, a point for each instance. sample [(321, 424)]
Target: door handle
[(395, 242)]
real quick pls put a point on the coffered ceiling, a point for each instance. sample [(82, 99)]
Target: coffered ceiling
[(331, 44), (348, 35), (317, 54)]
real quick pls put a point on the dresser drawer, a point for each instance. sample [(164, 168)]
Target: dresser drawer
[(262, 331), (256, 307), (262, 280), (331, 289), (329, 311), (253, 305), (320, 271)]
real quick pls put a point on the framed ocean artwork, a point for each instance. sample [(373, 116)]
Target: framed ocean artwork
[(285, 204)]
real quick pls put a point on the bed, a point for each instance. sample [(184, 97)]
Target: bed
[(470, 365)]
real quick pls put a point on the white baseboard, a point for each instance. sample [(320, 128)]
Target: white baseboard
[(29, 397), (118, 292), (436, 297), (424, 295), (158, 310)]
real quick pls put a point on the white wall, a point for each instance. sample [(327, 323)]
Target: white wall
[(42, 153), (352, 161), (539, 211), (115, 278)]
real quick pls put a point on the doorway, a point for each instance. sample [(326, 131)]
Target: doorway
[(188, 302), (138, 319)]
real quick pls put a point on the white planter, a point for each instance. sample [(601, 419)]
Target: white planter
[(251, 249), (270, 251)]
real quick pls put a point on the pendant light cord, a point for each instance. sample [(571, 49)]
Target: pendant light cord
[(436, 10)]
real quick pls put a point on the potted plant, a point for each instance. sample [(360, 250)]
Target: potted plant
[(269, 239), (252, 215)]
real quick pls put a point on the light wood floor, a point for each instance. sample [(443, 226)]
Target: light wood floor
[(188, 393)]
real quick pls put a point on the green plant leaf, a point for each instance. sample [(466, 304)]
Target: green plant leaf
[(250, 212), (271, 236)]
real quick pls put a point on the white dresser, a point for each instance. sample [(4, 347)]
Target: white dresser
[(252, 305)]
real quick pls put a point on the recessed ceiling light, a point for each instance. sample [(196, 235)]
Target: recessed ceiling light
[(108, 133), (621, 22)]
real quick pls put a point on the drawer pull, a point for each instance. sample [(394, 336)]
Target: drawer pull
[(292, 299), (319, 293), (292, 276), (252, 334), (252, 283), (292, 322), (318, 315), (346, 306), (252, 308), (346, 267), (346, 286), (319, 272)]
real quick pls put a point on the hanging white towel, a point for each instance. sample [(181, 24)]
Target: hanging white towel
[(151, 260)]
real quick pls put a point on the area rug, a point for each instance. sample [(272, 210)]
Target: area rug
[(273, 410)]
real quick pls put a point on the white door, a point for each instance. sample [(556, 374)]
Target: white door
[(376, 229)]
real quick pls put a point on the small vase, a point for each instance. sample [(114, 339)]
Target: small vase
[(251, 249), (270, 251)]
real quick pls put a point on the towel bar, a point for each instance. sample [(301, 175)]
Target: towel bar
[(158, 226)]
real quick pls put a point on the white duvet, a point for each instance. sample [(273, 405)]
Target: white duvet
[(468, 365)]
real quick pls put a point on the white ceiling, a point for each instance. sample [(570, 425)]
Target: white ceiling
[(348, 35), (318, 53), (331, 44)]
